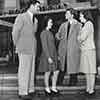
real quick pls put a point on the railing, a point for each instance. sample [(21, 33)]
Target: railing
[(51, 11)]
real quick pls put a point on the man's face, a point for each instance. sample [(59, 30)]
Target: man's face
[(35, 8), (68, 15)]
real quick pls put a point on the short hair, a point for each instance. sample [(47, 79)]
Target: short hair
[(32, 2), (73, 12), (87, 14)]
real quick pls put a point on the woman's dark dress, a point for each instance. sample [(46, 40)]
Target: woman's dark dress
[(48, 50)]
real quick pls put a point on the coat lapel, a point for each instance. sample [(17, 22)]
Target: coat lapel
[(72, 29), (29, 18), (66, 29)]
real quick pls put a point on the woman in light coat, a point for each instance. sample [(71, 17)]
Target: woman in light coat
[(88, 51)]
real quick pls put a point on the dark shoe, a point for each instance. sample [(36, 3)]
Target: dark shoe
[(91, 95), (25, 97), (32, 94), (87, 94), (47, 93), (55, 93), (84, 93)]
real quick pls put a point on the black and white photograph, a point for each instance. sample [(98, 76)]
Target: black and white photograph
[(49, 49)]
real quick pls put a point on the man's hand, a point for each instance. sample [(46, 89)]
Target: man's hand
[(35, 20)]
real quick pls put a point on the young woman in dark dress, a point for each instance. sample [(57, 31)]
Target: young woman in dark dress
[(48, 59)]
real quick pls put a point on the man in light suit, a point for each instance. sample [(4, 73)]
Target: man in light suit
[(68, 49), (23, 33)]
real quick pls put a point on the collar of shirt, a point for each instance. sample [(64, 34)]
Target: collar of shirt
[(73, 21), (70, 21), (31, 15)]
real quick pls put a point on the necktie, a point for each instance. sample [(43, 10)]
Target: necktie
[(33, 18), (68, 30)]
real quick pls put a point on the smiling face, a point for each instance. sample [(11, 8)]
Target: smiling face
[(50, 23), (68, 15), (82, 19), (35, 7)]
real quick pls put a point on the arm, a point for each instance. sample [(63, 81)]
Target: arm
[(44, 44), (44, 41), (85, 33), (17, 29), (35, 24), (60, 33)]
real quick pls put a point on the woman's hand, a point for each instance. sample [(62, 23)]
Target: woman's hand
[(58, 36), (50, 60)]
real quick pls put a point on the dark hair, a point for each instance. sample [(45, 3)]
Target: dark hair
[(87, 15), (73, 12), (32, 2), (45, 21)]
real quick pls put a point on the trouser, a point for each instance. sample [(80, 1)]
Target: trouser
[(26, 74), (62, 72), (73, 79)]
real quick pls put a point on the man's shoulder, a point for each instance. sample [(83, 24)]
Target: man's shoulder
[(77, 23), (21, 15), (64, 23)]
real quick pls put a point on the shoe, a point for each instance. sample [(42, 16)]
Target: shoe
[(25, 97), (91, 95), (55, 93), (84, 93), (47, 93), (87, 94)]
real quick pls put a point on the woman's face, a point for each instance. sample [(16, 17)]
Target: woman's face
[(50, 23), (82, 19)]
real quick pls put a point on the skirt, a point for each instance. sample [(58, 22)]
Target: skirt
[(88, 61), (44, 66)]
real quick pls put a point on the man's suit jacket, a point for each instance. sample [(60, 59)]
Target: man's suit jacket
[(24, 34)]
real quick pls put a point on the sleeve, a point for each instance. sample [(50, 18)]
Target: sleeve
[(85, 33), (60, 33), (44, 43), (17, 28), (35, 24)]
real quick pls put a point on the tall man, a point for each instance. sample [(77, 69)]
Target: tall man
[(68, 49), (24, 39)]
